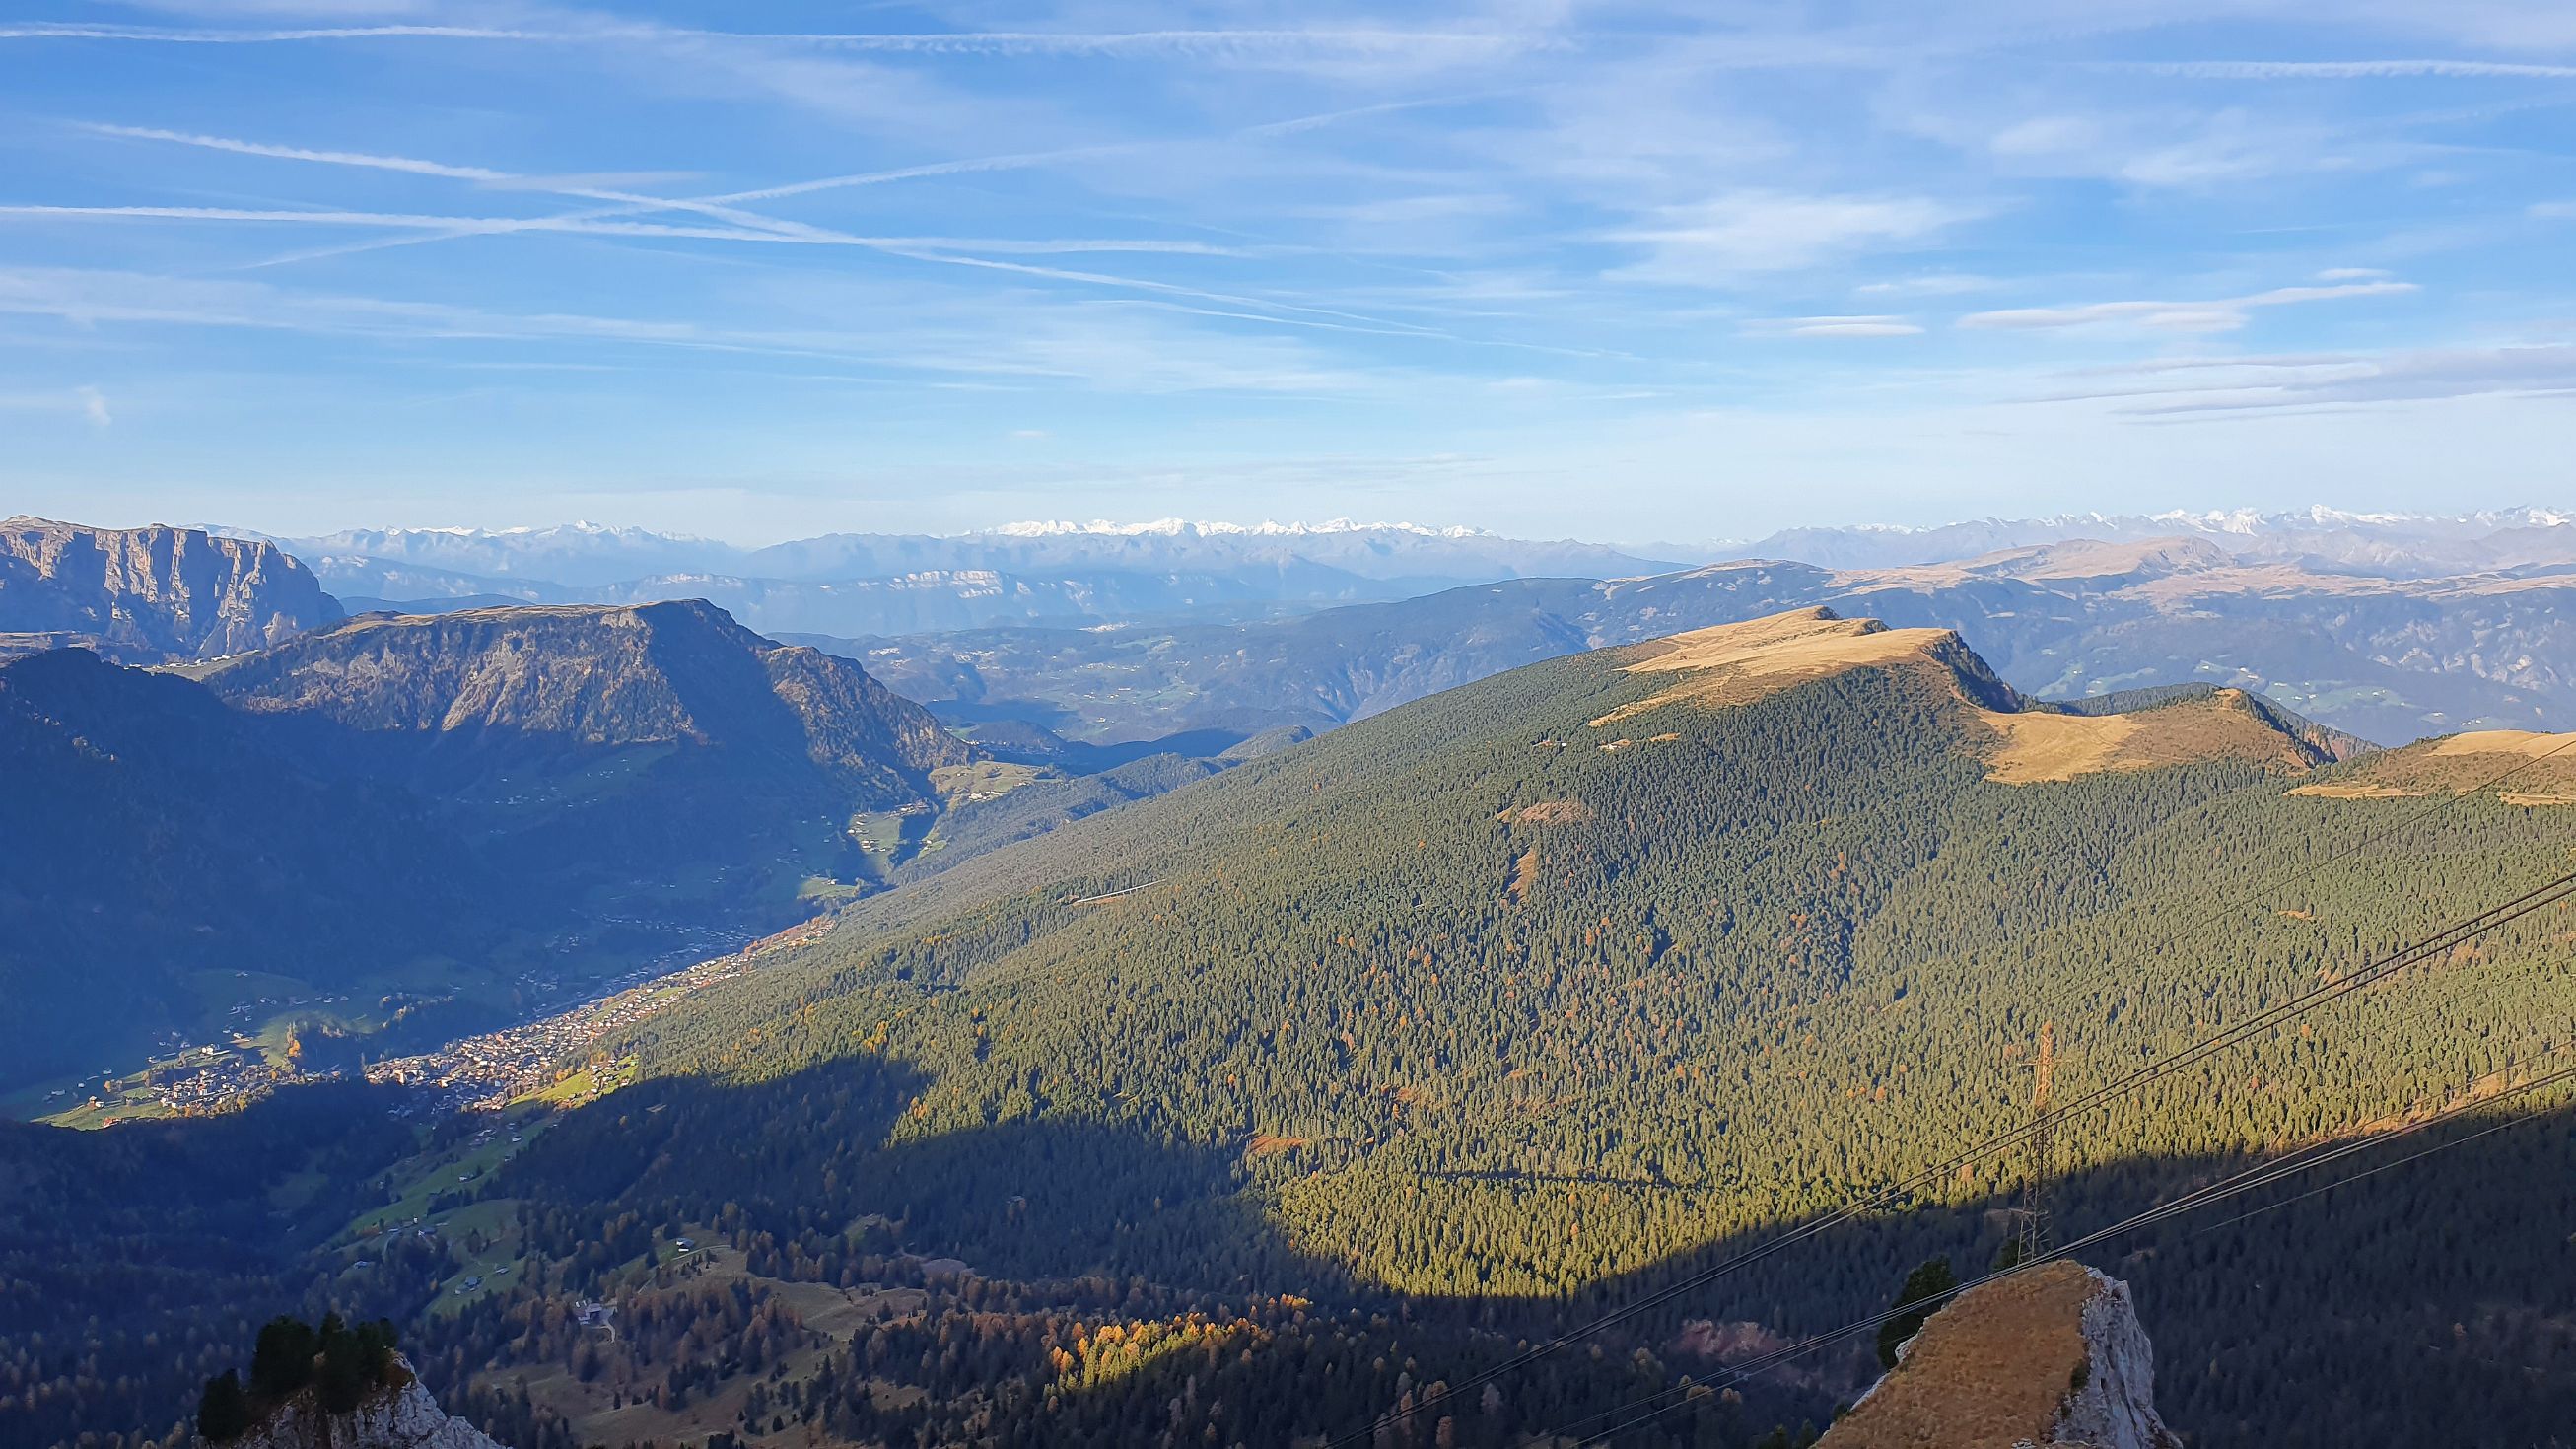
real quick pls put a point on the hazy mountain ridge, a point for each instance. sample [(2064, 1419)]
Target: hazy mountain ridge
[(853, 583), (567, 554), (2398, 545), (2385, 659), (148, 595)]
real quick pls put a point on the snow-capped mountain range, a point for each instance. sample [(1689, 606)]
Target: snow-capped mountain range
[(2401, 545), (1183, 528), (1172, 569)]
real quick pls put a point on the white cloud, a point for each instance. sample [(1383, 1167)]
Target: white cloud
[(2225, 314), (1772, 231), (2046, 136), (1934, 284), (86, 403), (1871, 326)]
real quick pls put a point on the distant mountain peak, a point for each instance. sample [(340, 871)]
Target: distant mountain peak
[(2388, 542), (578, 528), (1184, 528)]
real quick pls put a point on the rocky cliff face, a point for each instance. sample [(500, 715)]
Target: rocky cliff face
[(2052, 1356), (403, 1418), (150, 595)]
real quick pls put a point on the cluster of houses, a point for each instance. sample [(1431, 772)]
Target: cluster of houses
[(490, 1070)]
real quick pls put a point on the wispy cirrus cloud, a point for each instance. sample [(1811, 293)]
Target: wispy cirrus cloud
[(2247, 385), (1106, 345), (2222, 314), (418, 221), (195, 35), (591, 183), (1199, 44), (728, 206), (2263, 70), (1770, 212)]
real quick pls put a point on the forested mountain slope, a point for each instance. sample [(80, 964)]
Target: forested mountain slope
[(1528, 996), (2389, 659), (145, 595)]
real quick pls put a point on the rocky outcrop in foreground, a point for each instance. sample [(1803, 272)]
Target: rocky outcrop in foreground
[(150, 595), (2052, 1356), (392, 1418)]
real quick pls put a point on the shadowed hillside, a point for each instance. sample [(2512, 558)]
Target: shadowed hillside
[(394, 814)]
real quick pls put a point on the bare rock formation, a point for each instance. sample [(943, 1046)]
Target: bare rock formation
[(2052, 1356), (150, 595)]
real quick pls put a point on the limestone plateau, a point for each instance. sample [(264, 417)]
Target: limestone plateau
[(150, 595)]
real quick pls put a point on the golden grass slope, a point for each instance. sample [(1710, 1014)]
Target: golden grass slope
[(1734, 664), (2038, 745), (2532, 769), (1741, 663)]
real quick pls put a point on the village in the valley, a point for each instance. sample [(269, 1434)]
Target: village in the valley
[(496, 1068), (474, 1072)]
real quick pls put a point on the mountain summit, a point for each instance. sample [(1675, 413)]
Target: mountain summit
[(639, 740), (576, 677), (2022, 740)]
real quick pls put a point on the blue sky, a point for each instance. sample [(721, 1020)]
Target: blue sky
[(1606, 270)]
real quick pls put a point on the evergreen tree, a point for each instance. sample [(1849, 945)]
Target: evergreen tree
[(223, 1410), (1926, 1289), (283, 1359)]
